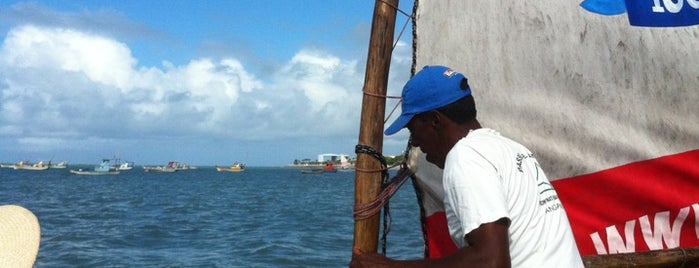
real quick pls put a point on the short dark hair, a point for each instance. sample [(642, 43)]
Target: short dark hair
[(461, 111)]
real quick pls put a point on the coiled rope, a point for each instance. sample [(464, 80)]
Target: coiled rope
[(388, 188)]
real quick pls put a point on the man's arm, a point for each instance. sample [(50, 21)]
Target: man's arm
[(488, 247)]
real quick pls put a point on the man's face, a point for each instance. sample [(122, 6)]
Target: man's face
[(424, 134)]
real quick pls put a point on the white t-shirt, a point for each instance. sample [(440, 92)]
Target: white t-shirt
[(488, 177)]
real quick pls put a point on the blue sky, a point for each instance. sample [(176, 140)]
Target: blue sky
[(202, 82)]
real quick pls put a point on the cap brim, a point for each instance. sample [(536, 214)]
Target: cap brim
[(399, 124)]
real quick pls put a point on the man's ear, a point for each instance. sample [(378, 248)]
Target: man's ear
[(435, 118)]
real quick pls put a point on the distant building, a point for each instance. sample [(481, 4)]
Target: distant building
[(322, 158)]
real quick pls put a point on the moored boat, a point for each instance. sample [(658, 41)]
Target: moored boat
[(63, 164), (103, 169), (312, 171), (118, 165), (27, 166), (345, 165), (125, 166), (328, 168), (7, 165), (171, 166), (183, 166), (236, 167)]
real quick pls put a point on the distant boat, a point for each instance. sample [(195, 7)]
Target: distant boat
[(345, 165), (183, 166), (171, 166), (27, 166), (103, 169), (305, 165), (159, 169), (118, 165), (328, 168), (7, 165), (236, 167), (125, 166), (312, 171), (63, 164)]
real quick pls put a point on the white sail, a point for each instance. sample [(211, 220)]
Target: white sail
[(585, 92), (610, 110)]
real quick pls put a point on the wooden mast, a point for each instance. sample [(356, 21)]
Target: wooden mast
[(368, 184)]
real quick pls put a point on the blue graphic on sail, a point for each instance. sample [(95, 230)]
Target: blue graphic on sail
[(605, 7), (663, 13), (649, 13)]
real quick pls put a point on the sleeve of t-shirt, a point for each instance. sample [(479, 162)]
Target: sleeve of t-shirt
[(474, 190)]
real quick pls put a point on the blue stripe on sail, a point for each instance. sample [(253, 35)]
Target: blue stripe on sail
[(605, 7), (663, 13)]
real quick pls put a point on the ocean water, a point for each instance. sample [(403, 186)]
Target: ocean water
[(262, 217)]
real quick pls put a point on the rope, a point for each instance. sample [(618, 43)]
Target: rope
[(367, 210), (413, 66), (411, 18), (378, 169), (364, 149), (402, 29), (385, 97), (384, 178), (388, 188), (419, 196), (392, 110), (379, 95), (416, 186)]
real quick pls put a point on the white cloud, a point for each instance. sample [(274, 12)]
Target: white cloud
[(87, 91), (91, 84), (102, 60), (317, 76)]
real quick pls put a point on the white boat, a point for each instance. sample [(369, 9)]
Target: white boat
[(103, 169), (7, 165), (125, 166), (27, 166), (63, 164), (118, 165)]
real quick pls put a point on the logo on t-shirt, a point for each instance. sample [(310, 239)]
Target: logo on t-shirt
[(547, 194)]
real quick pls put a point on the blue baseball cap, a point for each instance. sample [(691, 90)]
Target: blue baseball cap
[(431, 88)]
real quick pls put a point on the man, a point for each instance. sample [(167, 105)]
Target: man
[(500, 207)]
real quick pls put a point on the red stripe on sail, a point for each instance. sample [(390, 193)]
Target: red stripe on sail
[(438, 240), (646, 205)]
